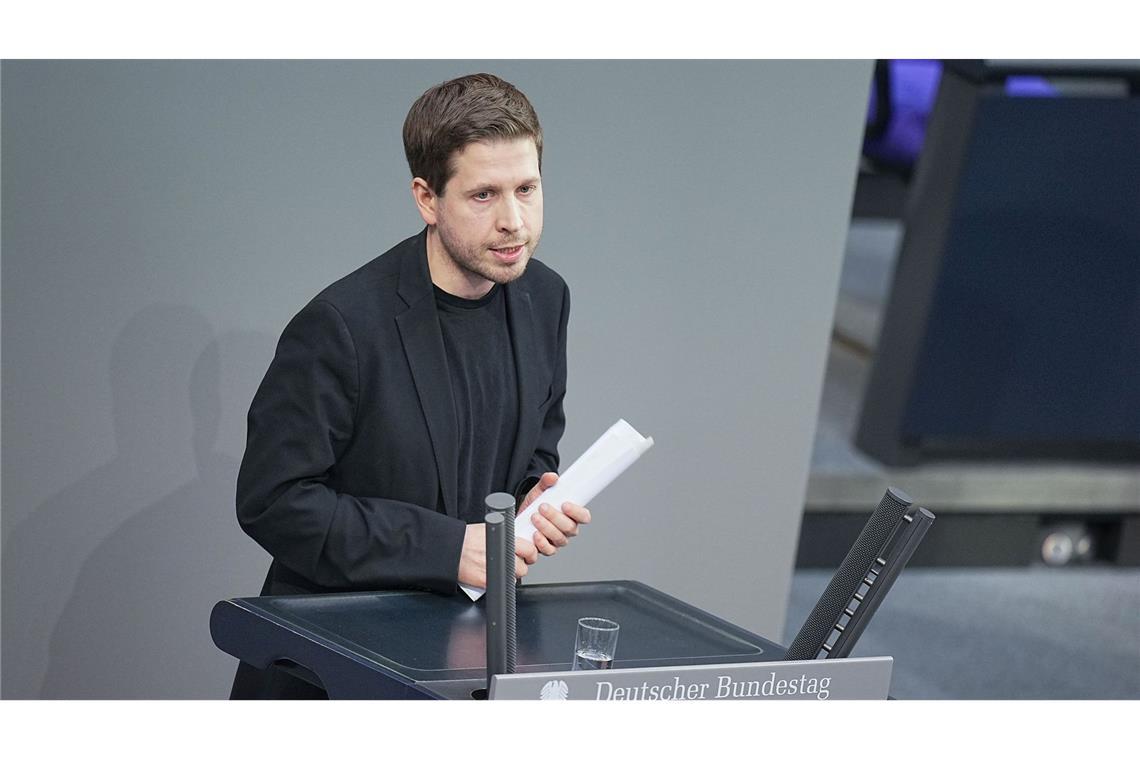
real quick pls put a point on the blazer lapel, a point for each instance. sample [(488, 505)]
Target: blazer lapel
[(423, 346), (524, 340)]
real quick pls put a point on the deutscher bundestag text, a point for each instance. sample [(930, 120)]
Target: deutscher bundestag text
[(724, 688)]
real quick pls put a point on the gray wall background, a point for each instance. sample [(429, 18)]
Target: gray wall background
[(162, 221)]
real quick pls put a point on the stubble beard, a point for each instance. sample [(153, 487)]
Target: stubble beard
[(479, 261)]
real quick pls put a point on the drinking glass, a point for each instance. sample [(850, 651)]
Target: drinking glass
[(595, 644)]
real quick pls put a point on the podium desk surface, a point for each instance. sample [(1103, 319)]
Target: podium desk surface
[(411, 644)]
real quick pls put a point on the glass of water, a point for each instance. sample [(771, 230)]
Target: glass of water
[(595, 644)]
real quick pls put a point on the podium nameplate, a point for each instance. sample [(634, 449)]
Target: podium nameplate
[(845, 678)]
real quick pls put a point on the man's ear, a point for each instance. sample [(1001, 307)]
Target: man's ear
[(425, 200)]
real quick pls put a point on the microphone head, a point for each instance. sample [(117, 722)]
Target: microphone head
[(500, 502), (898, 496)]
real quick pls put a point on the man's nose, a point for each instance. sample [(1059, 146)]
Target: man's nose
[(510, 215)]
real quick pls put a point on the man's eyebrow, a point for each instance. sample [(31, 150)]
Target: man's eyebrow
[(490, 186)]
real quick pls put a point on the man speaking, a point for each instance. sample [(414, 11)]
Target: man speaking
[(405, 392)]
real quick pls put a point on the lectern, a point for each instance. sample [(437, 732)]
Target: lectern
[(417, 645)]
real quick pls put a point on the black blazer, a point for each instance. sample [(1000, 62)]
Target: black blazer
[(350, 469)]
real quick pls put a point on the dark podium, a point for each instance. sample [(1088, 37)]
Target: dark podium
[(417, 645)]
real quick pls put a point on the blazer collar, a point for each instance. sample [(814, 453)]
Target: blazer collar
[(423, 347), (415, 279), (524, 338)]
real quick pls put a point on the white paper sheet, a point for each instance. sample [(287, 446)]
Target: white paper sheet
[(607, 457)]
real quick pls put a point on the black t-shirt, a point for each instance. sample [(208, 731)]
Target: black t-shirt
[(481, 368)]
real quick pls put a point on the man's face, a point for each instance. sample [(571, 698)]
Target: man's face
[(489, 218)]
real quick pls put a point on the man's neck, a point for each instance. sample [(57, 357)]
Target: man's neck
[(449, 276)]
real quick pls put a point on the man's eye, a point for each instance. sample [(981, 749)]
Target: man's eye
[(482, 195), (526, 189)]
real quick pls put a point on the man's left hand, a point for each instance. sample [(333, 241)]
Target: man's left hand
[(555, 527)]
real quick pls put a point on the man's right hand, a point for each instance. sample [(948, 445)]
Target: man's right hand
[(473, 557)]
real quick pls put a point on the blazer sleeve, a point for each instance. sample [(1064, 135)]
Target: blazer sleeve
[(545, 456), (299, 424)]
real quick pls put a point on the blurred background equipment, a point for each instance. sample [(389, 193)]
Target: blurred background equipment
[(1012, 326), (986, 343), (985, 354)]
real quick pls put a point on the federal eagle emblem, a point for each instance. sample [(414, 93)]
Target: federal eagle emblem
[(554, 690)]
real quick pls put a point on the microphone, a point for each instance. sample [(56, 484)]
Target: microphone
[(504, 504), (874, 587), (496, 597), (863, 578)]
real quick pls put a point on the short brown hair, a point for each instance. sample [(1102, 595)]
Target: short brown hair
[(469, 109)]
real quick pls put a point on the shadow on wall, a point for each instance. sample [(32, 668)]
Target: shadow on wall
[(108, 584)]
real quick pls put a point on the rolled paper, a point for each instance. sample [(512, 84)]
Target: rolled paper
[(600, 465)]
